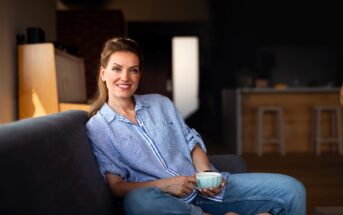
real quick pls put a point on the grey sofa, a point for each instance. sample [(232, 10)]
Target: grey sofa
[(47, 167)]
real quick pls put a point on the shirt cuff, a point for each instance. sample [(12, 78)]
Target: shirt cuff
[(193, 138)]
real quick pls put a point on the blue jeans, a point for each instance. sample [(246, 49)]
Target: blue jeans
[(245, 194)]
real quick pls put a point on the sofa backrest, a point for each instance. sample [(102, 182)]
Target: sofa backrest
[(47, 167)]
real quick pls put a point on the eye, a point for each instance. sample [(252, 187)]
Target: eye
[(134, 70), (116, 69)]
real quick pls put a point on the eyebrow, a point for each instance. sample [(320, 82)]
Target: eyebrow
[(115, 64)]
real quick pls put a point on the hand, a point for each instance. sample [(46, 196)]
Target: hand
[(212, 191), (178, 185)]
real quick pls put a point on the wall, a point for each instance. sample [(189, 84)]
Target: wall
[(86, 31), (157, 10), (143, 20), (7, 89), (302, 65), (16, 16)]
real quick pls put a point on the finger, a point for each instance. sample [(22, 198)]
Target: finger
[(203, 192), (222, 184), (187, 191), (184, 192), (215, 191), (192, 179), (190, 186), (210, 192)]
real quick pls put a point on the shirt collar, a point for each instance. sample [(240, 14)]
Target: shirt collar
[(140, 103), (107, 112)]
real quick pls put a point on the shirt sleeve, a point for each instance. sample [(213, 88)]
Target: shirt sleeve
[(193, 138), (99, 135), (191, 135)]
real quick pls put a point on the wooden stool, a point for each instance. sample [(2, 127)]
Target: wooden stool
[(279, 136), (336, 127)]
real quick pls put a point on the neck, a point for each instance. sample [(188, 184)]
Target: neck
[(122, 105)]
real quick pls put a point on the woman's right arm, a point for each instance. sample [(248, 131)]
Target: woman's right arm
[(178, 186)]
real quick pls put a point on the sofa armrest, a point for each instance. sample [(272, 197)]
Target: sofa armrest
[(228, 162)]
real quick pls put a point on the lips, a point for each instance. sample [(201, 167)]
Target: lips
[(124, 86)]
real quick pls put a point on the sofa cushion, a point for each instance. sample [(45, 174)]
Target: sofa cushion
[(47, 167), (228, 162)]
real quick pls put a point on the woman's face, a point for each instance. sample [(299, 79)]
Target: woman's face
[(121, 75)]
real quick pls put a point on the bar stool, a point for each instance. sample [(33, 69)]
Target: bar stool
[(335, 136), (279, 136)]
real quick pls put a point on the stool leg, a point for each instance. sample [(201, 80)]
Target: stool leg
[(280, 132), (339, 132), (334, 123), (313, 133), (318, 131), (334, 127), (259, 130)]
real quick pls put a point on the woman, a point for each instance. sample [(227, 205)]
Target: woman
[(149, 156)]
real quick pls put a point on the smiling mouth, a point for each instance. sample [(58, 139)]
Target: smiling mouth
[(124, 86)]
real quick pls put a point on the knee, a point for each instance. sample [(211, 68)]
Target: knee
[(295, 198), (141, 201), (294, 188)]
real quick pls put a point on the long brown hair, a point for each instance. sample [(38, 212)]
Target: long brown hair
[(111, 46)]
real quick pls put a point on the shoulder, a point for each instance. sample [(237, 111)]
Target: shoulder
[(154, 99), (95, 122)]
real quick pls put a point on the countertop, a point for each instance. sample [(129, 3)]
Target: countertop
[(290, 90)]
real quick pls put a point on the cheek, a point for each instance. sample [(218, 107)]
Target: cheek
[(109, 76), (107, 79), (137, 78)]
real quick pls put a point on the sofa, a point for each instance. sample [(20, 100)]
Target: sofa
[(47, 167)]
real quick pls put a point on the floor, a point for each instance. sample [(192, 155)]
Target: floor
[(322, 175)]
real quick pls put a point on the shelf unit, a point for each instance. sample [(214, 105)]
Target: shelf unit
[(50, 81)]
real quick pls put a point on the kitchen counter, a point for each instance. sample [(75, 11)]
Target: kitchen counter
[(290, 90), (239, 116)]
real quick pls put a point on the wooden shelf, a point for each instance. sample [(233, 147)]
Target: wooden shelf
[(73, 106), (48, 80)]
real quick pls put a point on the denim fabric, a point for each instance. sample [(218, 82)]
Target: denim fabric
[(246, 193)]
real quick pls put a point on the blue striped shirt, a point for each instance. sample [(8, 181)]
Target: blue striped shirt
[(158, 146)]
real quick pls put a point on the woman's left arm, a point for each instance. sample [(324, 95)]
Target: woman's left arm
[(200, 159), (201, 163)]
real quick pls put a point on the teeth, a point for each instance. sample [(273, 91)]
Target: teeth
[(126, 86)]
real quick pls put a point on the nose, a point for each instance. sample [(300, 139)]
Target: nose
[(125, 75)]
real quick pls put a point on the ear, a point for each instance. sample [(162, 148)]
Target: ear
[(102, 73)]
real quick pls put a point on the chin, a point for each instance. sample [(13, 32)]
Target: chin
[(122, 95)]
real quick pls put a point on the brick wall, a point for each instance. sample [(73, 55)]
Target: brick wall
[(86, 31)]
